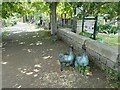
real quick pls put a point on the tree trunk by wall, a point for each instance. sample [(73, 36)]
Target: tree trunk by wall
[(53, 18), (50, 21), (74, 26)]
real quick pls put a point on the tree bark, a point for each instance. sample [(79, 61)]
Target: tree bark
[(118, 13), (50, 21), (74, 26), (24, 18), (53, 18)]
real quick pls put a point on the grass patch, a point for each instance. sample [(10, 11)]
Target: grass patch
[(86, 34), (109, 39)]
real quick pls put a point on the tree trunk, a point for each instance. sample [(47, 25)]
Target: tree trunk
[(65, 21), (62, 19), (118, 12), (71, 17), (50, 21), (53, 18), (74, 26), (24, 18)]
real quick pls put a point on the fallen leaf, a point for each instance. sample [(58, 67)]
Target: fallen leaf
[(4, 62), (19, 86), (31, 44), (35, 75), (22, 43), (29, 73), (37, 65), (37, 44), (23, 71), (34, 36), (36, 70), (29, 50)]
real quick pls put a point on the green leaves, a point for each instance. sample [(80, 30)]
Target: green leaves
[(65, 8), (42, 6), (8, 8), (89, 8), (95, 8)]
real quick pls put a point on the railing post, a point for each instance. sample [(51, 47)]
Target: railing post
[(95, 27), (83, 24)]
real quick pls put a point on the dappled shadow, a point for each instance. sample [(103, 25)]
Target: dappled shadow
[(34, 63)]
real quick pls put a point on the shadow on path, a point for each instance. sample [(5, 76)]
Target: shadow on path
[(30, 60)]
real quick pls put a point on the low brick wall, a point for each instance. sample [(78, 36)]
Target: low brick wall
[(103, 55)]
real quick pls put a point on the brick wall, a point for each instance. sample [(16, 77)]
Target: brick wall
[(102, 54)]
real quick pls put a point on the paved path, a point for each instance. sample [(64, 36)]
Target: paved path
[(30, 60), (21, 27)]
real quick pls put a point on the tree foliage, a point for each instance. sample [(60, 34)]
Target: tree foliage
[(42, 6), (112, 9), (23, 8)]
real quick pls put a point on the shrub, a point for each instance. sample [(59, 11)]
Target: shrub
[(108, 29), (4, 35)]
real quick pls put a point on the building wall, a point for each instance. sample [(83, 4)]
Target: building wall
[(79, 26)]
